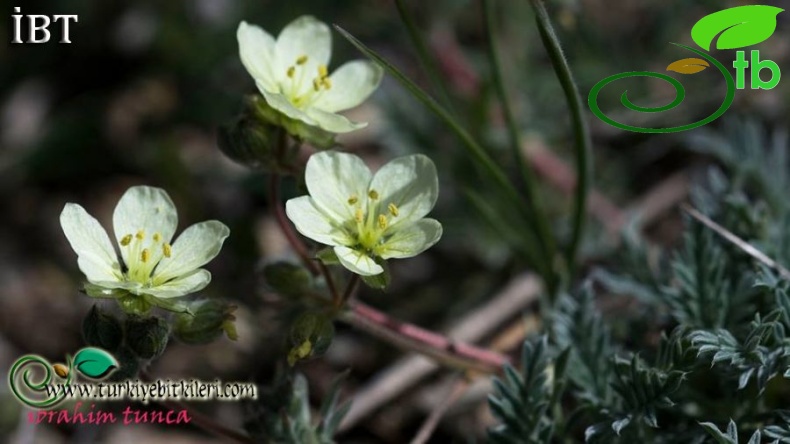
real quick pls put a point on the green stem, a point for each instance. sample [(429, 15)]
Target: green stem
[(351, 287), (537, 218), (282, 220), (468, 142), (426, 60), (582, 145)]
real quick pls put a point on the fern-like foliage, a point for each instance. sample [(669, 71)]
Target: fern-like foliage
[(282, 414), (522, 401), (578, 326), (730, 436)]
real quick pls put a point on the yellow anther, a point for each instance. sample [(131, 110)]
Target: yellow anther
[(358, 215), (290, 72), (140, 235), (316, 84), (322, 71), (167, 250), (326, 82), (382, 221), (126, 240), (393, 209), (301, 60), (145, 255), (353, 200), (157, 237), (373, 194)]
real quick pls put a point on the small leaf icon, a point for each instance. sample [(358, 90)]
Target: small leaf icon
[(688, 66), (61, 370), (94, 362), (736, 27)]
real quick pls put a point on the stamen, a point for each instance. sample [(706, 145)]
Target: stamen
[(358, 215), (140, 235), (167, 249), (145, 255), (322, 71), (301, 60), (393, 209), (316, 84), (126, 240), (373, 194), (157, 237), (382, 221), (326, 82), (291, 71), (353, 200)]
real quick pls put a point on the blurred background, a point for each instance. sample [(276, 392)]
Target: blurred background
[(138, 95)]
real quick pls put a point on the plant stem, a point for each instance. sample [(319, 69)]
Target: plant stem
[(293, 239), (582, 145), (401, 334), (351, 287), (413, 338), (537, 218), (428, 63)]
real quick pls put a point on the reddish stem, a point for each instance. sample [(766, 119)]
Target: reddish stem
[(400, 333), (425, 341), (282, 220)]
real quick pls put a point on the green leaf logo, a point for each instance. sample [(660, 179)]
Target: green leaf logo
[(94, 362), (736, 27)]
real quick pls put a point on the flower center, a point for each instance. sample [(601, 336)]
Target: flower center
[(143, 255), (294, 87), (371, 227)]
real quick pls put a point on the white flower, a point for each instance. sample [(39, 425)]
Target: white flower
[(144, 222), (292, 74), (366, 217)]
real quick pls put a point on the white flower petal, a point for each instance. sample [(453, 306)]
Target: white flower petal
[(256, 50), (148, 209), (281, 104), (411, 240), (96, 257), (311, 222), (352, 83), (331, 122), (305, 36), (184, 285), (358, 262), (332, 178), (195, 247), (411, 184)]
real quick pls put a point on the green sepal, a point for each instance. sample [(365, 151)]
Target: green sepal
[(147, 336), (311, 335), (208, 320), (327, 256), (313, 135), (379, 281), (287, 278), (102, 329), (128, 365)]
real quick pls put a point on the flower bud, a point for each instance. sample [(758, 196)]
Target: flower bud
[(147, 336), (287, 278), (250, 140), (128, 365), (313, 135), (102, 329), (311, 335), (208, 320)]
